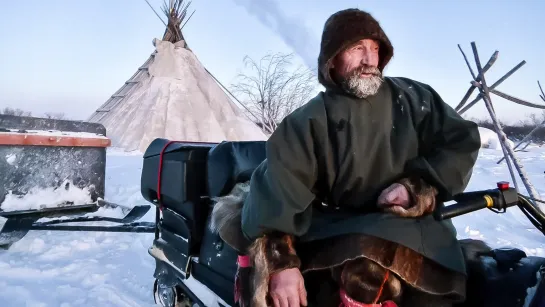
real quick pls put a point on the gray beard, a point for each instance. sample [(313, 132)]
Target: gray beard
[(362, 87)]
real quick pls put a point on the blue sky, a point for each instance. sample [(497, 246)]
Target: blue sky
[(70, 56)]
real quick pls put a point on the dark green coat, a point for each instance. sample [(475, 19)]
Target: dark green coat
[(344, 151)]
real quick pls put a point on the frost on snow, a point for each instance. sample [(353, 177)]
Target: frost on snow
[(10, 158), (37, 198), (33, 177), (56, 133)]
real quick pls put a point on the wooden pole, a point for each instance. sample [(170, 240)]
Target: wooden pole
[(493, 86), (476, 84), (541, 89), (491, 62), (508, 151), (527, 137)]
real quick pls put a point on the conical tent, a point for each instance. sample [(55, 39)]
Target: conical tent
[(173, 96)]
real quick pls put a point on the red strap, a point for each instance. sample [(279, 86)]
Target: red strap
[(159, 174)]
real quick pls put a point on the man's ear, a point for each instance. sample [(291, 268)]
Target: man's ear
[(334, 60)]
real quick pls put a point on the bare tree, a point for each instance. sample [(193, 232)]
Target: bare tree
[(55, 115), (16, 112), (271, 92), (533, 119)]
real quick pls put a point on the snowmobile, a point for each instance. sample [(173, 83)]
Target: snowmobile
[(180, 179)]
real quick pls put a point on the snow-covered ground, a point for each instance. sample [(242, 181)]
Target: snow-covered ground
[(111, 269), (65, 269)]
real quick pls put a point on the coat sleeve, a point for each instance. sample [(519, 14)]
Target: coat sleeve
[(449, 148), (281, 186)]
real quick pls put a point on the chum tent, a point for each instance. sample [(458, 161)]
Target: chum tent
[(173, 96)]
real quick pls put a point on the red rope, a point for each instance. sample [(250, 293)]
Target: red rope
[(382, 286)]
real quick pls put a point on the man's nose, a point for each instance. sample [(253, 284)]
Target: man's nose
[(368, 58)]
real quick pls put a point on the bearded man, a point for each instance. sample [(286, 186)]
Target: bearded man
[(341, 207)]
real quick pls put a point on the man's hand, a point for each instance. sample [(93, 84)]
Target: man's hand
[(287, 288), (408, 199), (394, 195)]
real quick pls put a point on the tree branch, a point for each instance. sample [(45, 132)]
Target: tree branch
[(270, 91)]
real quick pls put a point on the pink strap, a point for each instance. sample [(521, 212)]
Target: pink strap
[(243, 261)]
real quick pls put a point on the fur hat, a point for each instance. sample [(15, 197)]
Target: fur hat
[(344, 28)]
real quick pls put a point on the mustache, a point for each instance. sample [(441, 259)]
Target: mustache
[(365, 69)]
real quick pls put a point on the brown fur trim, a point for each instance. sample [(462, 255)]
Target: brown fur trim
[(362, 279), (270, 254), (411, 267), (422, 195), (226, 217), (341, 30), (243, 288)]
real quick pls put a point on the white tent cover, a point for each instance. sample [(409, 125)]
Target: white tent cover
[(177, 100)]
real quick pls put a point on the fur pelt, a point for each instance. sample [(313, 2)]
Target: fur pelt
[(269, 254), (228, 207), (341, 30), (422, 198), (415, 271), (226, 217)]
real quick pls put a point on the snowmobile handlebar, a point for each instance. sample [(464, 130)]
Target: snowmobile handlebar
[(495, 199)]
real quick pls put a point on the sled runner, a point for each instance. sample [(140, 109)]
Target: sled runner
[(19, 223)]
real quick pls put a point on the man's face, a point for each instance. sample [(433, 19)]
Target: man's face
[(357, 68)]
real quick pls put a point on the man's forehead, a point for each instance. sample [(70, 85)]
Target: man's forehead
[(366, 41)]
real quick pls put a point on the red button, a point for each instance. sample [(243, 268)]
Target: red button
[(503, 185)]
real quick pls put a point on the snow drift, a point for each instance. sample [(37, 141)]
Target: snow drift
[(490, 139)]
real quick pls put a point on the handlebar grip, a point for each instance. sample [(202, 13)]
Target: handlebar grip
[(457, 209)]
